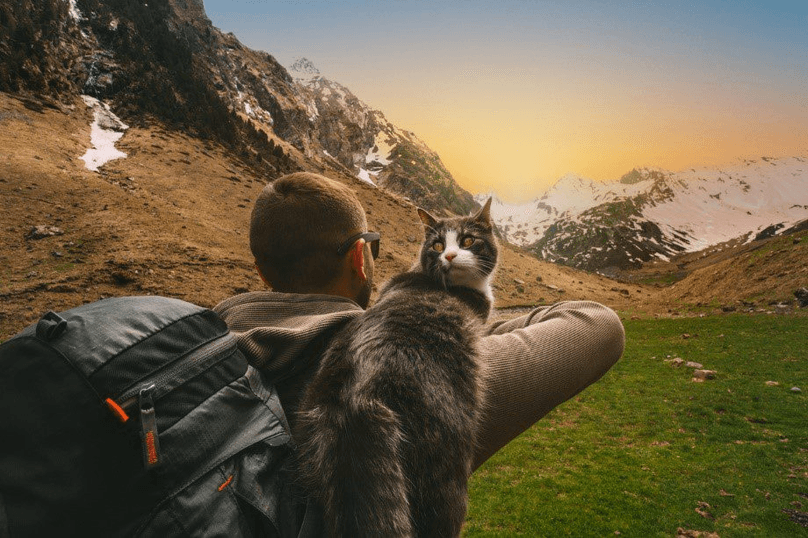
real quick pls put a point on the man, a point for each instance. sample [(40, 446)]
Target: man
[(311, 245)]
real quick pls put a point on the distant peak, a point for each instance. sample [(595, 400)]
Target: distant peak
[(304, 68), (638, 175), (482, 197), (571, 178)]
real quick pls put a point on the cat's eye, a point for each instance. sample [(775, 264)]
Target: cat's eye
[(467, 241), (438, 247)]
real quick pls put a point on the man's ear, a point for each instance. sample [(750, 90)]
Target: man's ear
[(263, 277), (358, 258)]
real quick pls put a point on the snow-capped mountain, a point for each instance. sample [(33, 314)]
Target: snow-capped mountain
[(165, 61), (361, 139), (654, 214), (525, 224)]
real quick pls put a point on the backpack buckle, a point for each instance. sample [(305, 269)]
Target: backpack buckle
[(51, 326)]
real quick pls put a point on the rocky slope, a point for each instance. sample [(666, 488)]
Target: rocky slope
[(654, 214), (362, 140), (163, 59), (761, 275)]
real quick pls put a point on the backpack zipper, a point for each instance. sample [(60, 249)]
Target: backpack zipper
[(181, 370), (148, 428)]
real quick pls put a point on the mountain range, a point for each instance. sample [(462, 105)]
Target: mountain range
[(653, 214)]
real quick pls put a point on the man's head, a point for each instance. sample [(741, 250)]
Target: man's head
[(298, 225)]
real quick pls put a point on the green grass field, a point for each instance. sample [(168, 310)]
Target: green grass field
[(646, 450)]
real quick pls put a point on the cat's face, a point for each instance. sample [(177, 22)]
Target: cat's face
[(460, 251)]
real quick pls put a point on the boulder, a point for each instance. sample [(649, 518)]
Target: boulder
[(703, 375), (802, 297), (43, 230)]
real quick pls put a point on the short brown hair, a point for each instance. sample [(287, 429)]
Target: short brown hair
[(298, 223)]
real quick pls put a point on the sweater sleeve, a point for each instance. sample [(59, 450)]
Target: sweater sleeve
[(537, 361)]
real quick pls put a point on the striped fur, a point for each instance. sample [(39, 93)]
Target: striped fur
[(388, 425)]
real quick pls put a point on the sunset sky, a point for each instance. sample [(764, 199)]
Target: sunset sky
[(513, 94)]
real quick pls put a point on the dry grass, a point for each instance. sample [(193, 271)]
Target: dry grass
[(172, 219)]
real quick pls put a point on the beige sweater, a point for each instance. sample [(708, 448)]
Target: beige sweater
[(533, 363)]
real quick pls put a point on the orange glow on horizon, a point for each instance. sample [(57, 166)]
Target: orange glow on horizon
[(520, 160)]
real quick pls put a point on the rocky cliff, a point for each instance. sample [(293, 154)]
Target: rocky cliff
[(163, 59)]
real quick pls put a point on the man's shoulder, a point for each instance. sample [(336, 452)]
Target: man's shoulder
[(266, 308), (275, 331)]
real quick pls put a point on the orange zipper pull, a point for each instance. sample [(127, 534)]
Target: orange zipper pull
[(148, 424)]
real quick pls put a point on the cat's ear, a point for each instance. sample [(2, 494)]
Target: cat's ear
[(428, 220), (484, 214)]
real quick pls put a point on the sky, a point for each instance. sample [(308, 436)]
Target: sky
[(513, 94)]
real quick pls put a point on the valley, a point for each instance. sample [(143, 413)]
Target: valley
[(171, 218), (199, 123)]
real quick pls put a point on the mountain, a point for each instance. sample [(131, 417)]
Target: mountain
[(653, 214), (164, 60), (362, 140), (134, 138)]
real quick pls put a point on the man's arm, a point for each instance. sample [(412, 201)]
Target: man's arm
[(537, 361)]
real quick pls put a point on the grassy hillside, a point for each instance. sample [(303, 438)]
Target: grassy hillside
[(647, 451), (733, 275)]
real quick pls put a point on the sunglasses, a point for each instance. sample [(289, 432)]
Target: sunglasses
[(369, 237)]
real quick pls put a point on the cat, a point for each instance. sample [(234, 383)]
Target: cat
[(388, 424)]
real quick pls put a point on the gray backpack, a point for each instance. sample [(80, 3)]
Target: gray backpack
[(139, 416)]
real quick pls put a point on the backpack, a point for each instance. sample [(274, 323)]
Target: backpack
[(139, 416)]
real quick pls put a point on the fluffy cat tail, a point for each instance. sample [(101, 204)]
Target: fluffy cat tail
[(352, 461)]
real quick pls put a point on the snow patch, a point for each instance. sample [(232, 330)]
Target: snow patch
[(364, 175), (106, 129), (381, 150), (745, 198), (74, 12), (253, 111)]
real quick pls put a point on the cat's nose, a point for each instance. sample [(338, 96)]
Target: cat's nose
[(450, 256)]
